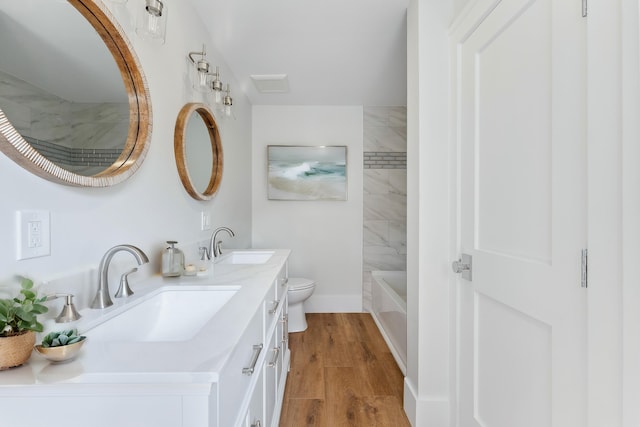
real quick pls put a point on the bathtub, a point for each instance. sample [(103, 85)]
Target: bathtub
[(389, 310)]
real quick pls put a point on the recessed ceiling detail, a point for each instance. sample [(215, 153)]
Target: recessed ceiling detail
[(271, 83)]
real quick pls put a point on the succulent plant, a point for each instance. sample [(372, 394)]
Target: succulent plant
[(19, 314), (60, 338)]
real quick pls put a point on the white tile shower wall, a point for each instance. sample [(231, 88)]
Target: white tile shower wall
[(82, 136), (385, 193)]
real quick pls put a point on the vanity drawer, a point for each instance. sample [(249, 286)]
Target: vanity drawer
[(255, 413), (272, 368), (242, 371)]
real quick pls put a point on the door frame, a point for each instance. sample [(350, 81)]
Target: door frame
[(630, 211)]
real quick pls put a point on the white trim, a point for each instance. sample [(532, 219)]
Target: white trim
[(425, 410), (630, 212), (410, 401), (429, 332), (334, 304), (604, 213)]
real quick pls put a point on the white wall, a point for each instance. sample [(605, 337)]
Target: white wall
[(630, 211), (428, 385), (152, 206), (325, 236)]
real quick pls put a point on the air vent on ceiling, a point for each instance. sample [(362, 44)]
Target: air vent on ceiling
[(271, 83)]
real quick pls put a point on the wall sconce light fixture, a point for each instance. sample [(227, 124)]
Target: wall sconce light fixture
[(200, 77), (152, 20), (202, 82)]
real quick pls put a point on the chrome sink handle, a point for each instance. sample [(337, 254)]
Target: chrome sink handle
[(124, 290), (69, 312)]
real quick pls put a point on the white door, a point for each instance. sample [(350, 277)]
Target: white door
[(520, 126)]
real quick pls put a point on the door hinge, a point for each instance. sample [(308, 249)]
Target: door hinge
[(584, 8), (463, 266), (583, 270)]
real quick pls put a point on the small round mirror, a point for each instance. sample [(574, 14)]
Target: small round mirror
[(198, 151)]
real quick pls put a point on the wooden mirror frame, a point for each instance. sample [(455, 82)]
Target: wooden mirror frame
[(180, 146), (140, 119)]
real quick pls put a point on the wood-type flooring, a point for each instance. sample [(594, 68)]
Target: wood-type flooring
[(342, 374)]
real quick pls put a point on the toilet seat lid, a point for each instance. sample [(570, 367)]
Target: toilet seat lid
[(300, 283)]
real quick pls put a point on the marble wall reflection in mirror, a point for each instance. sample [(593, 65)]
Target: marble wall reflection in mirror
[(198, 151), (73, 100)]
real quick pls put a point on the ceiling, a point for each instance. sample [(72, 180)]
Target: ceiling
[(334, 52)]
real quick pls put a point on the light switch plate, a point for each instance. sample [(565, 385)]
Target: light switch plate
[(205, 221), (33, 234)]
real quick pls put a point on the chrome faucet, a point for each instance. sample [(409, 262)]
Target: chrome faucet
[(215, 246), (102, 298)]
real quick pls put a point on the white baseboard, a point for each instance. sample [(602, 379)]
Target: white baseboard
[(425, 411), (334, 304)]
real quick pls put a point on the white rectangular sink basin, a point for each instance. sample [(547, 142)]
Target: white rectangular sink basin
[(246, 257), (171, 315)]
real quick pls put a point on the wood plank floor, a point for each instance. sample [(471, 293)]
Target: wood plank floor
[(342, 374)]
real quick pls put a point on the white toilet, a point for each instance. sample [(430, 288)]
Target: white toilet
[(299, 290)]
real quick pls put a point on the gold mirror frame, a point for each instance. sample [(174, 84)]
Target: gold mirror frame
[(180, 146), (140, 120)]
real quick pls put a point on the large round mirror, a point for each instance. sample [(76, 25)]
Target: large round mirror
[(198, 151), (74, 106)]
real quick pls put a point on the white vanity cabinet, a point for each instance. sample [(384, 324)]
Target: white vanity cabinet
[(265, 400), (230, 374)]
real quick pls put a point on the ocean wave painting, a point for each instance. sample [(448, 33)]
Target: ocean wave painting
[(307, 173)]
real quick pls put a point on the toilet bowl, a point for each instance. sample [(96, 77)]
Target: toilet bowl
[(299, 290)]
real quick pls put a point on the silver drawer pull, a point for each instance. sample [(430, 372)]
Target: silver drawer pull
[(276, 303), (257, 424), (284, 281), (285, 329), (274, 361), (257, 348)]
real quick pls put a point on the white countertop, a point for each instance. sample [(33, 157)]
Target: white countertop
[(186, 364)]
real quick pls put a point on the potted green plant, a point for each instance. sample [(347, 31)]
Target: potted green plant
[(18, 324)]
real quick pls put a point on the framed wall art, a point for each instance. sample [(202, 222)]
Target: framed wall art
[(298, 172)]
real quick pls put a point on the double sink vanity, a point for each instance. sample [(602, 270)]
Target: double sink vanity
[(191, 351)]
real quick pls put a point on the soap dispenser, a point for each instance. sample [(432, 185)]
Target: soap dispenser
[(172, 260)]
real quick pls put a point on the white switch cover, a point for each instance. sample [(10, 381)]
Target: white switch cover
[(205, 221), (33, 234)]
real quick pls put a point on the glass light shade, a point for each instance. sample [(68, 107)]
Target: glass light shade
[(151, 23), (217, 97), (216, 86), (201, 76), (227, 102)]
